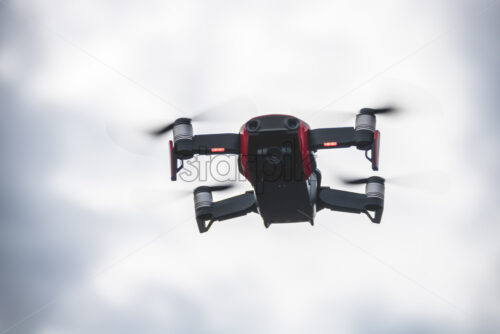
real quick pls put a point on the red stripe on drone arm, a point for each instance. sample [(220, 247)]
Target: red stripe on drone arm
[(304, 149), (173, 163), (244, 152)]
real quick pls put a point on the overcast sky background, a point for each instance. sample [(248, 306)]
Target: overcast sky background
[(89, 243)]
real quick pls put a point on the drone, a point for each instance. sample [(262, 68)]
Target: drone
[(276, 154)]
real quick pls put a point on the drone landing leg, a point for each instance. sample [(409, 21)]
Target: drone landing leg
[(226, 209), (345, 201)]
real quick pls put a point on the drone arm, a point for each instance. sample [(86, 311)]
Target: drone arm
[(339, 200), (226, 209), (345, 137), (225, 143), (185, 148), (345, 201), (331, 138)]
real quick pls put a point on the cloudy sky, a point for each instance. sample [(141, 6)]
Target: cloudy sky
[(92, 242)]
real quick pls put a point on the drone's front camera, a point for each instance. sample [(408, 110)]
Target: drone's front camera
[(274, 156), (253, 125), (292, 123)]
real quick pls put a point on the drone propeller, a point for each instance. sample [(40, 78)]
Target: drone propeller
[(374, 111), (355, 181), (231, 110), (222, 187), (142, 139), (329, 115), (169, 127), (148, 198), (214, 188), (429, 181), (363, 180), (163, 130)]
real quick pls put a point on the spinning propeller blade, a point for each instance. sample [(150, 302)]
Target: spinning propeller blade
[(374, 111), (222, 187), (150, 198), (363, 180), (429, 181), (355, 181), (231, 110), (162, 130), (142, 139), (344, 116)]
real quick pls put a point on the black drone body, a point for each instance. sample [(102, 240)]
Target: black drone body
[(276, 157)]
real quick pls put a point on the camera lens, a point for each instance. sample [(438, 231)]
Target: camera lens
[(292, 123), (253, 125), (274, 156)]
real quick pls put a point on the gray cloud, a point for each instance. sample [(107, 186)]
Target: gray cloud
[(50, 243)]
